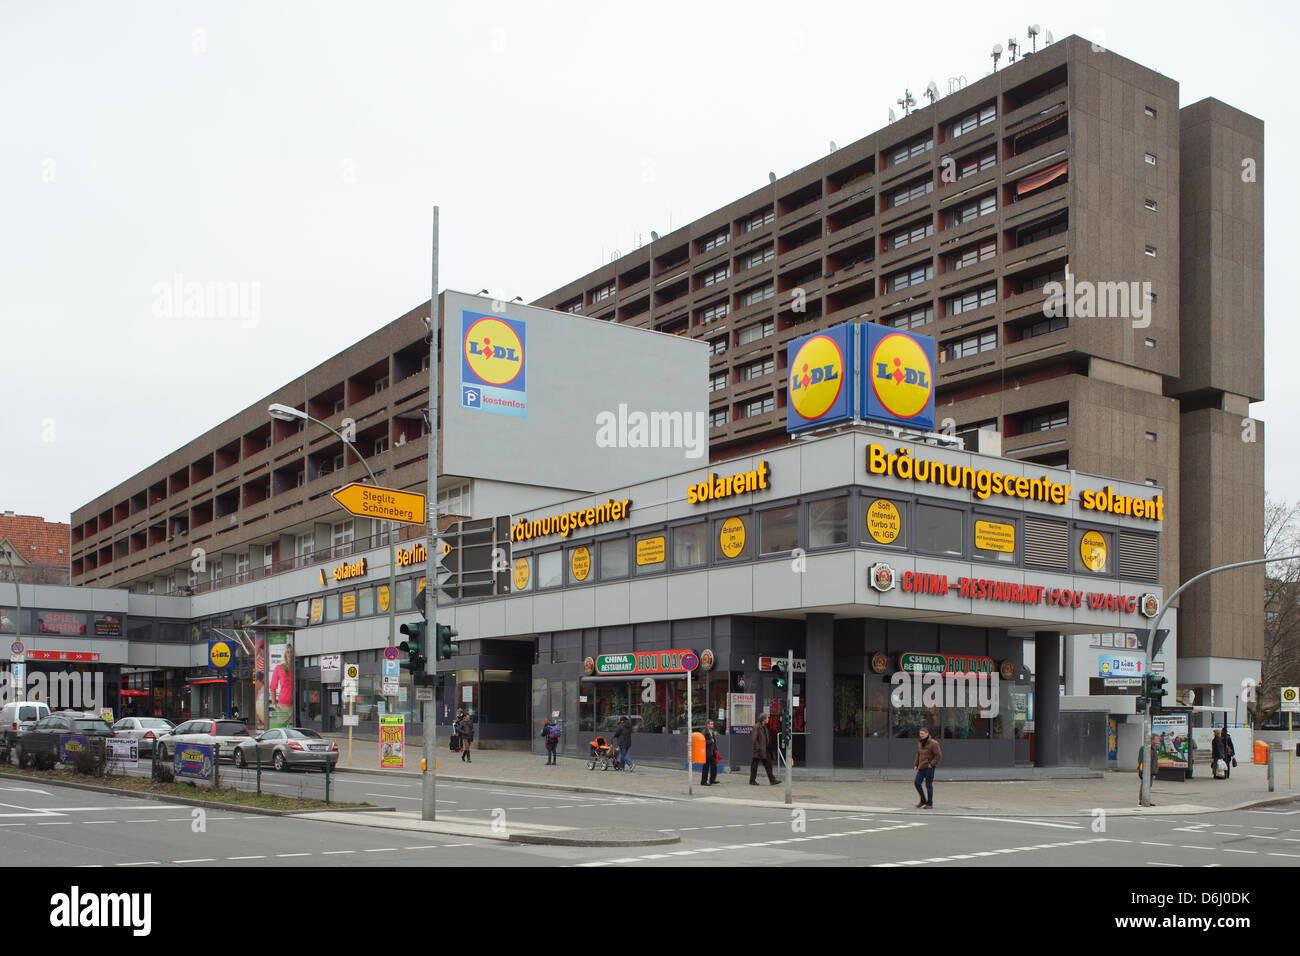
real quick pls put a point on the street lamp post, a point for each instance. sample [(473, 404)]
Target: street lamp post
[(20, 690), (285, 413)]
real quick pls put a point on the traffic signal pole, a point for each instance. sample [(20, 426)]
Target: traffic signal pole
[(789, 716), (429, 709)]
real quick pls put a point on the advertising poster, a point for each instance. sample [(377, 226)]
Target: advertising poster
[(279, 688), (194, 762), (70, 745), (392, 742), (493, 368), (259, 685), (1173, 732), (742, 712), (123, 753), (1112, 739)]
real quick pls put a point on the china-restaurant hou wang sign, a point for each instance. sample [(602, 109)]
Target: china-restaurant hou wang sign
[(647, 662), (921, 663)]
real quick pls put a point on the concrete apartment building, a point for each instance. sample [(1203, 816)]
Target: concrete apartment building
[(1072, 166)]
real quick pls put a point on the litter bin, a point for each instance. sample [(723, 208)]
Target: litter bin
[(1261, 751)]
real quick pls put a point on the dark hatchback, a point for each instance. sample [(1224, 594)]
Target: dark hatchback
[(40, 746)]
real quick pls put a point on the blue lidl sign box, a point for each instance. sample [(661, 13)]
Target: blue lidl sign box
[(819, 389), (898, 377)]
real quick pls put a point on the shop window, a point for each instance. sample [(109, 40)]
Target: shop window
[(549, 571), (848, 711), (651, 552), (366, 602), (778, 530), (965, 723), (613, 559), (1093, 551), (331, 607), (994, 538), (877, 709), (828, 523), (348, 604), (731, 537), (882, 522), (690, 545), (522, 576), (301, 613), (405, 595), (939, 530), (577, 563), (908, 721)]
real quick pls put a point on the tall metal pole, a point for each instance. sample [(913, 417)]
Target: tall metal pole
[(1145, 797), (690, 740), (20, 689), (429, 714), (789, 710)]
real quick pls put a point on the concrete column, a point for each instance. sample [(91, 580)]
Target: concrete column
[(1047, 699), (819, 688)]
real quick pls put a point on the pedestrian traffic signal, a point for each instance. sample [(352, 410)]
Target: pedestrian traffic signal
[(785, 729), (778, 675), (1156, 691), (446, 648), (414, 645)]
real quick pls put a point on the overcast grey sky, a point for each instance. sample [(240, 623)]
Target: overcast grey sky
[(298, 147)]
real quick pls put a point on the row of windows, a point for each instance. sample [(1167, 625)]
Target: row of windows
[(971, 345)]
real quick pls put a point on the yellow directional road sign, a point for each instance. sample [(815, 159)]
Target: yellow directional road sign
[(387, 504)]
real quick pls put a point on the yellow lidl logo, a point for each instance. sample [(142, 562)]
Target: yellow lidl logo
[(816, 377), (219, 654), (494, 352), (901, 376)]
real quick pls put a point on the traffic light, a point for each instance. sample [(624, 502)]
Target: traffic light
[(1156, 691), (785, 728), (1140, 705), (446, 648), (414, 645), (778, 676)]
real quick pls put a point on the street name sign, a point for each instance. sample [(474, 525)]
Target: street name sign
[(386, 504)]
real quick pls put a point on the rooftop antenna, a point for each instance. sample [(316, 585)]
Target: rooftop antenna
[(907, 102), (1049, 38), (1012, 49), (771, 177), (833, 146), (931, 92), (654, 236), (892, 117), (996, 53), (1033, 36)]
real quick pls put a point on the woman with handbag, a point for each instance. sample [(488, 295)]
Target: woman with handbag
[(466, 730)]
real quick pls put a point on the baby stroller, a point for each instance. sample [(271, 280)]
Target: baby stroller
[(604, 754)]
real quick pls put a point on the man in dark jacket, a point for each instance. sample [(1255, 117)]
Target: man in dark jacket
[(1229, 753), (928, 755), (760, 755), (623, 738), (709, 775), (1155, 753)]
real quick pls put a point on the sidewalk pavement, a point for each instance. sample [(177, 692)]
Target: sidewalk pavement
[(1044, 796)]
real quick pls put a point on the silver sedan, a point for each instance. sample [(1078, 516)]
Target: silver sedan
[(145, 730), (286, 747)]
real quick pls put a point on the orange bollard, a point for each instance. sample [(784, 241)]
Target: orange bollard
[(1261, 751), (697, 750)]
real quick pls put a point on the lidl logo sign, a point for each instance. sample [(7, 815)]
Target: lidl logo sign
[(219, 654), (493, 364), (899, 373), (820, 370)]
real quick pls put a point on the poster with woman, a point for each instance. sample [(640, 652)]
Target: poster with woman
[(279, 689), (259, 686)]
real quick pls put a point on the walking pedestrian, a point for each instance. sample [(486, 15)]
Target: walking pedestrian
[(465, 728), (623, 740), (1229, 753), (1218, 764), (709, 775), (454, 741), (759, 755), (928, 755), (1155, 750), (551, 732)]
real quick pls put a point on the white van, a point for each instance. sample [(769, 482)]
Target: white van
[(18, 716)]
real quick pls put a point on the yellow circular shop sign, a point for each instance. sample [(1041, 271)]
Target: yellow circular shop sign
[(317, 610), (383, 597), (219, 654), (493, 351), (901, 376), (521, 573), (883, 521), (731, 537), (816, 377), (1092, 549), (580, 561)]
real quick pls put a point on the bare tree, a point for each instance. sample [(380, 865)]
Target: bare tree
[(1281, 662)]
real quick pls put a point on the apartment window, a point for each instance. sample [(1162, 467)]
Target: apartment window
[(718, 382), (718, 346), (908, 193), (972, 255), (915, 275), (718, 419), (1149, 296), (381, 384), (911, 149), (1151, 251), (909, 234), (753, 333), (757, 369), (218, 566), (719, 238), (912, 319), (978, 162), (1042, 230), (972, 121), (1149, 343), (1149, 111), (757, 295), (381, 445), (241, 563), (1046, 422), (303, 544), (714, 312), (1149, 159), (1045, 326), (971, 211), (338, 406), (759, 220), (1151, 436), (972, 300), (1034, 283), (766, 254), (760, 406), (720, 274), (1151, 204), (604, 292), (342, 533), (971, 345)]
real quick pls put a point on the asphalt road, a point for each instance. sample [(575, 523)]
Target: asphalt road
[(42, 824)]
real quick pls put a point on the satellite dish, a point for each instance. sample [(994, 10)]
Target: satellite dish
[(1049, 36), (771, 177), (833, 146), (997, 49), (1033, 29), (891, 116), (654, 236)]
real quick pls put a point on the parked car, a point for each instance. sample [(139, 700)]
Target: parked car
[(286, 747), (15, 717), (40, 744), (144, 730), (206, 730)]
